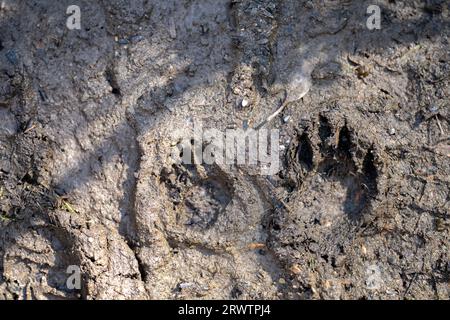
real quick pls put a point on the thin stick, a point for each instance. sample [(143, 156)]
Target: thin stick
[(273, 115), (439, 124), (277, 112)]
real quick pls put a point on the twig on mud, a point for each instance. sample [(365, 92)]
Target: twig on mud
[(33, 126), (290, 95), (439, 125), (409, 285), (440, 79), (273, 115)]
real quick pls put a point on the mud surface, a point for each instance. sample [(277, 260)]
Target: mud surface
[(89, 118)]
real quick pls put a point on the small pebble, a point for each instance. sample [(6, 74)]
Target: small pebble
[(185, 285), (245, 102), (295, 269), (433, 108), (136, 38), (363, 249), (11, 55), (286, 119), (123, 41), (392, 131)]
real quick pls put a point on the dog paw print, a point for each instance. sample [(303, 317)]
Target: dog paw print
[(332, 179), (332, 173)]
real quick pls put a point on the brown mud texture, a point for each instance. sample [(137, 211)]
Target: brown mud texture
[(88, 118)]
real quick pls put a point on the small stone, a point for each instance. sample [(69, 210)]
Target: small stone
[(245, 102), (433, 108), (136, 38), (11, 55), (363, 249), (91, 240), (281, 281), (185, 285), (123, 41), (295, 269), (392, 131), (286, 119)]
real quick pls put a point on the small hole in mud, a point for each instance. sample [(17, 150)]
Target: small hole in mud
[(305, 152), (369, 169), (333, 262), (111, 79), (345, 142), (28, 178), (325, 132)]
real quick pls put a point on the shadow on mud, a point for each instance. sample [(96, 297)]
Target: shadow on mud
[(394, 32)]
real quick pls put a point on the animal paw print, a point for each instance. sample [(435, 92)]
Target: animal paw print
[(198, 193), (208, 203), (333, 173), (332, 180)]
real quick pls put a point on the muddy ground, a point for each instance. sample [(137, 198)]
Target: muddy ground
[(88, 119)]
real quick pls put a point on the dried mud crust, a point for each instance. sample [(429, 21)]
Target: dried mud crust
[(89, 118)]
